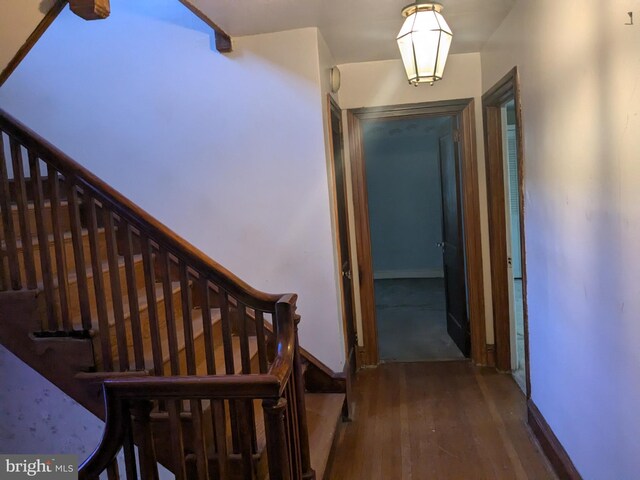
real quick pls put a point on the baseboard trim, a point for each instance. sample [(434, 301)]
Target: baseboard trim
[(551, 446), (420, 273)]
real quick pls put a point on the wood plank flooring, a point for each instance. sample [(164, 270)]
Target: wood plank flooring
[(437, 420)]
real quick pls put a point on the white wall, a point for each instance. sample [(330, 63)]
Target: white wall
[(370, 84), (579, 66), (228, 151), (18, 20)]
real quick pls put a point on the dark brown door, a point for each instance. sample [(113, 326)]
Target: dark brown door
[(453, 247), (343, 232)]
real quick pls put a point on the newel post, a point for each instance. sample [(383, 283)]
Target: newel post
[(277, 450), (307, 472)]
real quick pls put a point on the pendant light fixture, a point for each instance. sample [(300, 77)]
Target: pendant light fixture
[(424, 41)]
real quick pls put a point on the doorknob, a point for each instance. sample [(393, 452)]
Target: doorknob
[(441, 245)]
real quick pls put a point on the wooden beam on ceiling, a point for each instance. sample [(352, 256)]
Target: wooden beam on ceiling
[(223, 40), (90, 9), (32, 39)]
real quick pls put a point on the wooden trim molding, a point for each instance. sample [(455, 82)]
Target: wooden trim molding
[(223, 40), (472, 232), (363, 241), (32, 39), (506, 89), (497, 235), (551, 446), (463, 111)]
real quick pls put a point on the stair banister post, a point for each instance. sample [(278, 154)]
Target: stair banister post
[(307, 471), (277, 449)]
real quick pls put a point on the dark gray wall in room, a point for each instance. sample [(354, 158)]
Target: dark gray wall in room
[(404, 193)]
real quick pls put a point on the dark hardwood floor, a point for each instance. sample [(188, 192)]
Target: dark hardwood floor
[(437, 420)]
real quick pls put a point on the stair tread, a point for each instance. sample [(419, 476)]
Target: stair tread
[(31, 204), (324, 411), (73, 276), (196, 320), (142, 303), (50, 238), (198, 330), (142, 300), (201, 368)]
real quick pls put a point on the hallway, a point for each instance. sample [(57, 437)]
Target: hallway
[(437, 420)]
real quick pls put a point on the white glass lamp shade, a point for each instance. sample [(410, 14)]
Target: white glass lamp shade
[(424, 41)]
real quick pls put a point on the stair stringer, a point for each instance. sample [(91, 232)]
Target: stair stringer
[(57, 358)]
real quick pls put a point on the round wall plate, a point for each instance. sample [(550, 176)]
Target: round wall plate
[(334, 79)]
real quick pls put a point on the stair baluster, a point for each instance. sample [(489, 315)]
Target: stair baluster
[(45, 256), (98, 285), (59, 248), (23, 213), (78, 252), (148, 260), (11, 250)]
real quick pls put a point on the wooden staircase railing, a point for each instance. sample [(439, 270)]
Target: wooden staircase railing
[(206, 345), (130, 403)]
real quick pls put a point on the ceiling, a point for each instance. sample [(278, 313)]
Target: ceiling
[(355, 30)]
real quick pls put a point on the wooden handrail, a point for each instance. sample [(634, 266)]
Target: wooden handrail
[(136, 216), (195, 387)]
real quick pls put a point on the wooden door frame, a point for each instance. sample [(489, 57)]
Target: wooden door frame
[(350, 357), (462, 111), (506, 89)]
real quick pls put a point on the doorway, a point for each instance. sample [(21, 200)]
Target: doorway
[(466, 262), (504, 162), (412, 176)]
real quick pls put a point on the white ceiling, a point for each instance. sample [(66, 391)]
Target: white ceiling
[(355, 30)]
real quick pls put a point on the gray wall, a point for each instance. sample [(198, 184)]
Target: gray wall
[(404, 193)]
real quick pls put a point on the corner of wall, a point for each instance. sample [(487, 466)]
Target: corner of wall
[(326, 61)]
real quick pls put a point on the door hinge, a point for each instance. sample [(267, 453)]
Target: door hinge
[(456, 136)]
